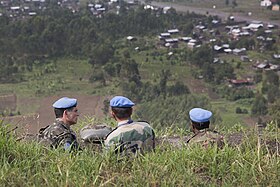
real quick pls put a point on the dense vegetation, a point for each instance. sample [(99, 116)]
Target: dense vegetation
[(25, 164)]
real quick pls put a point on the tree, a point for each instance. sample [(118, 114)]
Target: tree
[(272, 78), (208, 72), (187, 28), (272, 93), (101, 54), (238, 110), (165, 74), (130, 71), (106, 106), (178, 89), (202, 55), (274, 111), (227, 2), (234, 3), (258, 76), (259, 106)]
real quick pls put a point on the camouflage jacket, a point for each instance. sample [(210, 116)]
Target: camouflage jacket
[(207, 138), (58, 134), (131, 138)]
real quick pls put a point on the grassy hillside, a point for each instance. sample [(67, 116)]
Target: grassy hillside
[(25, 164), (71, 76)]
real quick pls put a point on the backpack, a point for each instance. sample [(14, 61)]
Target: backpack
[(94, 133)]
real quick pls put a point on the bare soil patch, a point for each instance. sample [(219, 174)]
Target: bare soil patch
[(198, 86), (30, 123)]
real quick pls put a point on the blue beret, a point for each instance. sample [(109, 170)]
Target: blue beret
[(200, 115), (65, 102), (122, 102)]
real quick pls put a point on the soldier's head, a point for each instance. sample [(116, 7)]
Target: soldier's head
[(200, 119), (121, 108), (66, 109)]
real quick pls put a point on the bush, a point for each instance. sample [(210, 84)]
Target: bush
[(238, 110)]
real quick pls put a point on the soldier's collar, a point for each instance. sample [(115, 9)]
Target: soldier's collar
[(58, 120), (125, 122), (202, 131)]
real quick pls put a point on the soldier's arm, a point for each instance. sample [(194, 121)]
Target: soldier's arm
[(113, 142), (68, 141)]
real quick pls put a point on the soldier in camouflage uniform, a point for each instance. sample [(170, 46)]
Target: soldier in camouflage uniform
[(59, 133), (200, 121), (130, 137)]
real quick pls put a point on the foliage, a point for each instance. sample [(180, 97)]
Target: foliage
[(28, 164), (234, 94), (170, 111), (274, 111), (59, 32), (238, 110), (259, 106)]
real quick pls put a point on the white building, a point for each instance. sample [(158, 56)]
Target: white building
[(266, 3)]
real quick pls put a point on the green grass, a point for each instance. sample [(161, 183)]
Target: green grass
[(29, 164), (69, 75), (226, 110)]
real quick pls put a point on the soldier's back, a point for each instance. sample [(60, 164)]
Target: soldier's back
[(134, 137), (207, 138)]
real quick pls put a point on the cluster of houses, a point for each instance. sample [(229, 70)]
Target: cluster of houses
[(25, 8), (17, 9), (273, 4), (98, 9), (234, 32), (172, 38)]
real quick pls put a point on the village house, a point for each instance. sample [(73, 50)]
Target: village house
[(276, 56), (171, 40), (266, 66), (218, 48), (212, 40), (164, 35), (173, 31), (270, 26), (266, 3), (239, 52), (275, 7), (166, 9), (254, 26), (215, 22), (131, 38), (191, 44), (228, 51), (147, 7), (186, 39), (244, 58), (240, 82), (32, 13)]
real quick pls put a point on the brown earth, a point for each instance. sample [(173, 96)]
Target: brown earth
[(198, 86), (8, 102), (44, 115)]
